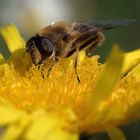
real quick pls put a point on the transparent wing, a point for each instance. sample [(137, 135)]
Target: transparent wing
[(91, 28), (101, 25)]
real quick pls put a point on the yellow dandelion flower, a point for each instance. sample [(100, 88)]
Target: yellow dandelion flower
[(57, 107)]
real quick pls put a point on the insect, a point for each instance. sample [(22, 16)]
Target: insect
[(63, 39)]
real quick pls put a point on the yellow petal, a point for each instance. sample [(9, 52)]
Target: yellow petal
[(132, 59), (16, 130), (134, 111), (115, 134), (13, 120), (9, 114), (109, 76), (51, 126), (136, 71), (12, 38)]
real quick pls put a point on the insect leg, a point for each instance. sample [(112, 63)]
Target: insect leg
[(41, 67), (90, 49), (55, 60), (50, 69), (75, 64), (97, 42)]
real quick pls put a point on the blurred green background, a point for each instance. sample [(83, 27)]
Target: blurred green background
[(32, 15)]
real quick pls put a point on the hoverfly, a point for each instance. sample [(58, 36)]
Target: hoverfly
[(63, 39)]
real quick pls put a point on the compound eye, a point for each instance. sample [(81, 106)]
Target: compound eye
[(29, 45), (47, 46)]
